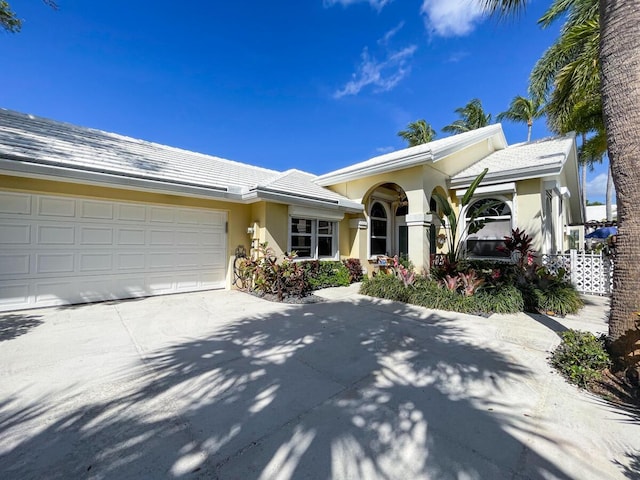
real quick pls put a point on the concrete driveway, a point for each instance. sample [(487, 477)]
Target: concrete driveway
[(224, 385)]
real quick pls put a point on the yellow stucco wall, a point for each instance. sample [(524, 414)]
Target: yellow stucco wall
[(238, 215), (529, 210)]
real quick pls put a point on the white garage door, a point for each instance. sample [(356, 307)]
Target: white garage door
[(57, 250)]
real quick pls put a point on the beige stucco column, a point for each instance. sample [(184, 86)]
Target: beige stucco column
[(418, 231)]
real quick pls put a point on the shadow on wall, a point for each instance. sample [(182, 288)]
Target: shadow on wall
[(13, 325), (314, 391)]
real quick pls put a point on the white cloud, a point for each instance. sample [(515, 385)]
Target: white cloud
[(390, 34), (456, 57), (451, 18), (383, 75), (597, 187), (383, 150), (375, 4)]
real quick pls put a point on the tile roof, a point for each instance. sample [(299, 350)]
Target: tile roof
[(522, 160), (36, 141)]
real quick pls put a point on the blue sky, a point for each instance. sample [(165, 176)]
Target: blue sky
[(313, 84)]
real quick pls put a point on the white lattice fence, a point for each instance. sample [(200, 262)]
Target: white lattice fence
[(591, 273)]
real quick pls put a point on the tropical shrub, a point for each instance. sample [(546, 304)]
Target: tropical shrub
[(385, 286), (322, 274), (264, 275), (355, 269), (580, 357)]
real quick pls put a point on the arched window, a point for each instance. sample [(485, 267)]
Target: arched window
[(498, 223), (378, 229)]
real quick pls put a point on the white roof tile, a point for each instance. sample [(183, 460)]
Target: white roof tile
[(38, 141), (521, 160)]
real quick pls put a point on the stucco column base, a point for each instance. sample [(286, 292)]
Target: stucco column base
[(419, 247)]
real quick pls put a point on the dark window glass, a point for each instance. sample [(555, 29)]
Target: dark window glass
[(379, 228), (301, 245), (378, 211), (325, 247), (378, 246), (300, 225), (325, 228)]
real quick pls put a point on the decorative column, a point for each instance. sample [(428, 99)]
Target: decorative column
[(418, 229)]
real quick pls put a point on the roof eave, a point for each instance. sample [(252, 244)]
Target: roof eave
[(508, 176), (361, 172), (293, 199), (104, 179)]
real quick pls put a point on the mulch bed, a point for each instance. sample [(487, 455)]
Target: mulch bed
[(617, 391)]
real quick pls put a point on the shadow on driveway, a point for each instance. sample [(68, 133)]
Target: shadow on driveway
[(360, 389), (13, 325)]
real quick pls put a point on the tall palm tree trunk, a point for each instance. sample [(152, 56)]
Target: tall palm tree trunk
[(609, 195), (583, 186), (620, 64)]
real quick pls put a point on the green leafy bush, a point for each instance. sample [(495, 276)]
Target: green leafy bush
[(430, 294), (549, 293), (264, 275), (385, 286), (323, 274), (580, 357)]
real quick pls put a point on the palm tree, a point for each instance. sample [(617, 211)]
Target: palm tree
[(417, 133), (620, 77), (523, 110), (567, 77), (9, 22), (472, 116)]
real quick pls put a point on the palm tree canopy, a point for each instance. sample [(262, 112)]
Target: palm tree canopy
[(417, 133), (472, 117), (522, 110)]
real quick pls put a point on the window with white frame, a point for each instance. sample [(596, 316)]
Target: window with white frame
[(378, 230), (498, 223), (313, 238)]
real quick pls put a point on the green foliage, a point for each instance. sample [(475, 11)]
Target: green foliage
[(8, 19), (472, 116), (265, 275), (385, 286), (417, 133), (430, 294), (323, 274), (580, 357), (355, 269), (452, 219)]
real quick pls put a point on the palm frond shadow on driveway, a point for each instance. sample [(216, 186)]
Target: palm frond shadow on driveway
[(327, 390)]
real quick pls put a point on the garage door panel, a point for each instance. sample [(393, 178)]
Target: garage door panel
[(96, 236), (187, 238), (56, 207), (161, 260), (15, 264), (161, 215), (14, 294), (131, 213), (54, 263), (131, 261), (130, 236), (96, 210), (57, 250), (55, 235), (188, 217), (212, 238), (15, 234), (161, 237), (15, 203), (95, 262)]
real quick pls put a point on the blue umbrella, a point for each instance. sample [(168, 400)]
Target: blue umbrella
[(604, 232)]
